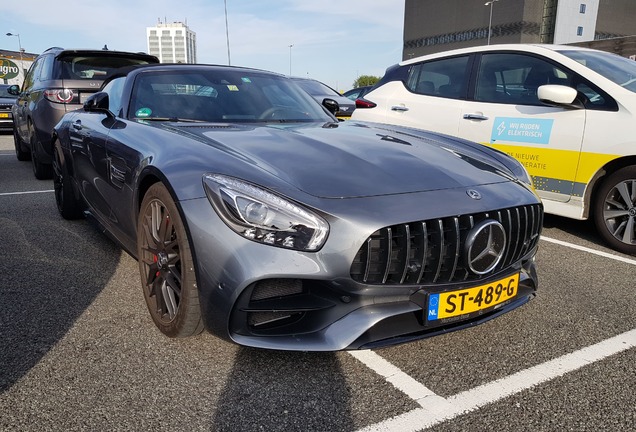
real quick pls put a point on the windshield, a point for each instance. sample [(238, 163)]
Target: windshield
[(221, 95), (619, 69), (315, 88)]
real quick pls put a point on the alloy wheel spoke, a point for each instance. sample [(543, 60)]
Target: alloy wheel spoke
[(156, 219), (152, 242), (628, 235), (169, 300), (615, 204), (623, 190), (619, 229), (151, 276), (613, 214), (175, 279)]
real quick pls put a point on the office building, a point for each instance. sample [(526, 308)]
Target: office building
[(433, 25), (172, 42)]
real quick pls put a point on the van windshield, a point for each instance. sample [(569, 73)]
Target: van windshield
[(620, 70)]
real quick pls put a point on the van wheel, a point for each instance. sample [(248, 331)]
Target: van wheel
[(20, 152), (615, 210)]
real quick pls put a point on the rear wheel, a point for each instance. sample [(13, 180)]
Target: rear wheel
[(166, 266), (67, 204), (615, 210), (20, 152), (41, 170)]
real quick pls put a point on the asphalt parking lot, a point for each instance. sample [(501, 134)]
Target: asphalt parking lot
[(78, 350)]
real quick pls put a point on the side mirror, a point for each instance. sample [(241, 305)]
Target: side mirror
[(97, 103), (14, 90), (331, 105), (558, 95)]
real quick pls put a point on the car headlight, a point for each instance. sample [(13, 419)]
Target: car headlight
[(522, 175), (264, 217)]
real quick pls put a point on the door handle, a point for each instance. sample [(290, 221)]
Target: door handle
[(475, 116), (400, 108), (77, 125)]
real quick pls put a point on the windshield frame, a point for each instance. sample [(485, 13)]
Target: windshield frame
[(221, 95)]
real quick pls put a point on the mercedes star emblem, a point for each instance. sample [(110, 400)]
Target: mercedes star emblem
[(485, 246)]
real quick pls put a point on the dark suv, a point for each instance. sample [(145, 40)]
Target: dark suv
[(59, 81)]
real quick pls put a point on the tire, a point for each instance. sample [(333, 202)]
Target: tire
[(166, 266), (40, 170), (68, 205), (20, 152), (615, 210)]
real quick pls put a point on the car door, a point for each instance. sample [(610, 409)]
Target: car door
[(26, 98), (506, 113), (88, 132), (431, 98)]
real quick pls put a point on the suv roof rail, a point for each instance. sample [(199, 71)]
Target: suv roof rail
[(54, 48)]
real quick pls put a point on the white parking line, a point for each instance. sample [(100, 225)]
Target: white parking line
[(26, 193), (436, 409), (589, 250)]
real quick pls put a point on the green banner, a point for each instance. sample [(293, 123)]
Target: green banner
[(8, 69)]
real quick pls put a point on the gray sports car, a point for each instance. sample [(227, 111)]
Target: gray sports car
[(253, 213)]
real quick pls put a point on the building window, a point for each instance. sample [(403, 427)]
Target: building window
[(582, 8), (579, 31)]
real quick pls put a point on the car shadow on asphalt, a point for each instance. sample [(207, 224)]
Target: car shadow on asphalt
[(582, 229), (284, 391), (52, 270)]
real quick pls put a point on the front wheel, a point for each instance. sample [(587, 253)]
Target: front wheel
[(615, 210), (166, 266)]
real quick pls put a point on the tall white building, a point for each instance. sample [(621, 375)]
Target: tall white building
[(172, 43), (575, 21)]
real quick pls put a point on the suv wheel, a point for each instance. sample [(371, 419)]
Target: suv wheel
[(20, 152), (40, 170)]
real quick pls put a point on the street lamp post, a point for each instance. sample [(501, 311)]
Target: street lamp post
[(20, 47), (227, 35), (490, 3), (290, 47)]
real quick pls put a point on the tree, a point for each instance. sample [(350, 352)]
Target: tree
[(365, 80)]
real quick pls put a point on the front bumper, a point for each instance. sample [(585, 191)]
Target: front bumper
[(269, 297), (357, 318)]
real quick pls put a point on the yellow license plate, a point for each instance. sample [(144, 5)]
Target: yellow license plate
[(4, 115), (461, 302)]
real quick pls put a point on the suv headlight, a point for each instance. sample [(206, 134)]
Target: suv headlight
[(264, 217)]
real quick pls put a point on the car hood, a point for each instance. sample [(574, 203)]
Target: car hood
[(7, 101), (353, 159)]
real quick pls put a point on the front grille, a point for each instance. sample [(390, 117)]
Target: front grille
[(433, 251)]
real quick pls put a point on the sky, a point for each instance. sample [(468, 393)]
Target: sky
[(334, 41)]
